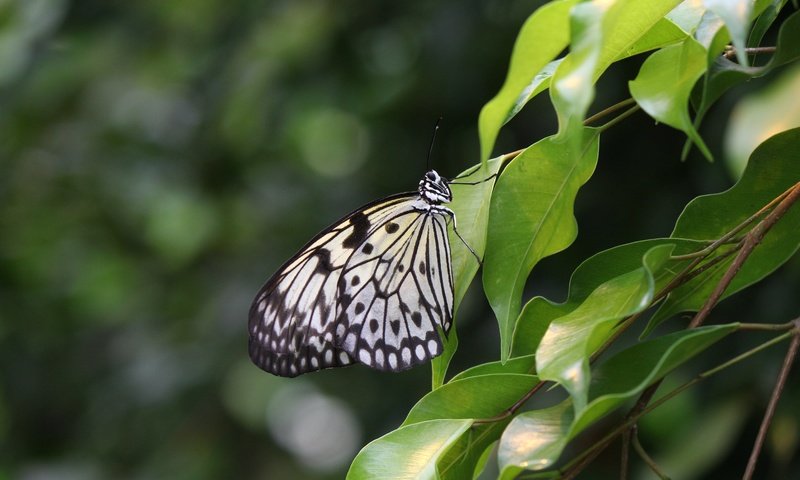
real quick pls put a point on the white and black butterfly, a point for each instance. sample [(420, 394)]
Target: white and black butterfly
[(375, 287)]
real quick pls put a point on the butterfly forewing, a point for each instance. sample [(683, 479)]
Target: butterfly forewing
[(376, 288)]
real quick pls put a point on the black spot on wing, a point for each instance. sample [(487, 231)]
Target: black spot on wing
[(360, 224), (391, 227), (324, 266), (367, 248)]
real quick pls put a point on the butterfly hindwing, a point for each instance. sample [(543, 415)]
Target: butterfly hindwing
[(394, 301)]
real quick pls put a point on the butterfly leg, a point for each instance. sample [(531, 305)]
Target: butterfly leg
[(494, 175), (452, 216)]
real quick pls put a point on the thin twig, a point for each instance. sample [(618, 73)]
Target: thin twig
[(637, 445), (624, 457), (730, 51), (622, 116), (788, 360), (728, 236), (575, 466), (609, 110), (751, 240), (513, 408)]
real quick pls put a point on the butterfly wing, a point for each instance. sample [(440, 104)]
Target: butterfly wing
[(398, 292), (299, 320)]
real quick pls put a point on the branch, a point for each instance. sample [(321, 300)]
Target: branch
[(773, 402)]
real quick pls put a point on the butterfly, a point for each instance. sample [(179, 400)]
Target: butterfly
[(376, 288)]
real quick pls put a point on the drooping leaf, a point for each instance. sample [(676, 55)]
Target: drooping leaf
[(564, 351), (664, 84), (541, 38), (530, 218), (772, 169), (470, 203), (410, 452)]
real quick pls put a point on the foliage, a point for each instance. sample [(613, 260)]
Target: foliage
[(160, 159), (531, 217)]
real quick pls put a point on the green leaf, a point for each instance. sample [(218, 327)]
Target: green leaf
[(724, 74), (530, 218), (540, 39), (482, 396), (535, 440), (470, 202), (616, 261), (525, 365), (564, 351), (736, 15), (600, 33), (771, 110), (463, 458), (410, 452), (626, 374), (665, 83), (772, 169)]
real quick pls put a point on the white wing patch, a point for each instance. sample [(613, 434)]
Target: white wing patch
[(372, 289)]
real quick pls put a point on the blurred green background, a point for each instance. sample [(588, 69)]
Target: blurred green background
[(159, 160)]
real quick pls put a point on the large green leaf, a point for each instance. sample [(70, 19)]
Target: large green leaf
[(534, 440), (541, 38), (564, 351), (773, 168), (530, 218), (471, 204), (665, 83), (481, 396), (410, 452), (597, 269)]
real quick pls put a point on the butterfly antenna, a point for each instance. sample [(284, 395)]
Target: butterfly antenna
[(433, 139)]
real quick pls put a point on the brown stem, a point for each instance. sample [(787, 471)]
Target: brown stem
[(730, 50), (751, 240), (626, 448), (513, 408), (788, 360)]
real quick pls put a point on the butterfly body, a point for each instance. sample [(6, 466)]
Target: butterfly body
[(374, 288)]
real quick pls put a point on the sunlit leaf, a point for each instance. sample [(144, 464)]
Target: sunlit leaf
[(564, 351), (597, 269), (409, 452), (535, 440)]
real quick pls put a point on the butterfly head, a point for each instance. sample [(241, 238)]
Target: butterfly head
[(433, 188)]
